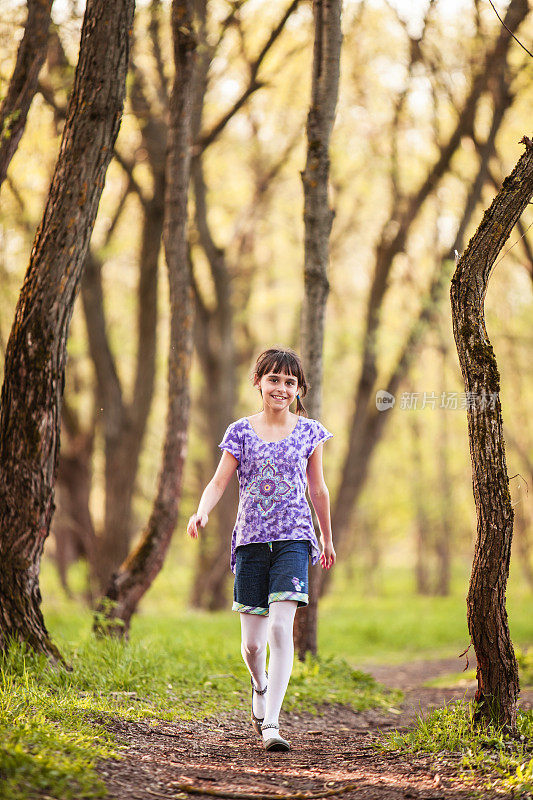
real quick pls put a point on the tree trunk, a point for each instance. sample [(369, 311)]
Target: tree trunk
[(215, 345), (72, 525), (123, 422), (405, 212), (318, 218), (23, 84), (137, 573), (497, 671), (124, 438), (36, 353), (422, 548), (367, 428), (215, 334), (444, 530)]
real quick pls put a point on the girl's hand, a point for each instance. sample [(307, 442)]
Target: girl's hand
[(327, 556), (195, 520)]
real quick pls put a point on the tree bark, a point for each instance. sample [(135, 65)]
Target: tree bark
[(138, 571), (23, 85), (318, 219), (36, 353), (497, 671)]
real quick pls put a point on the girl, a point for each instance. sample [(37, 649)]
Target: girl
[(276, 453)]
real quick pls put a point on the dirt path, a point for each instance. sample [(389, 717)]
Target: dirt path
[(334, 750)]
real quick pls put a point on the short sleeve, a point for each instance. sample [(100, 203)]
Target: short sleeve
[(231, 441), (318, 435)]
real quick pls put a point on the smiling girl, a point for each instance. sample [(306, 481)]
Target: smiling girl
[(276, 454)]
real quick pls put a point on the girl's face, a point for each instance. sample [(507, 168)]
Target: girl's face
[(279, 390)]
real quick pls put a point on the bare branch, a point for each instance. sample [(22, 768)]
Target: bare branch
[(207, 138), (23, 84), (128, 168), (60, 113), (154, 29)]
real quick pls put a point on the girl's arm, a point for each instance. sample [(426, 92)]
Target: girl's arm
[(319, 495), (212, 493)]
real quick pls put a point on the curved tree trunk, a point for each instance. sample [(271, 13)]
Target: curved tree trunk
[(318, 218), (36, 353), (497, 671), (136, 574), (23, 84), (124, 421)]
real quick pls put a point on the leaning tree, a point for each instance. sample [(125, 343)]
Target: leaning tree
[(497, 671), (37, 348), (136, 574)]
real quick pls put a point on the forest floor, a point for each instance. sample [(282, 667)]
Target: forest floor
[(332, 750)]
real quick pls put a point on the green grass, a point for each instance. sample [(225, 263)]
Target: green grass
[(464, 679), (50, 738), (180, 663), (398, 625), (392, 626), (52, 719), (502, 761)]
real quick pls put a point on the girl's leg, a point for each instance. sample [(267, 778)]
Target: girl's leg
[(253, 648), (281, 620)]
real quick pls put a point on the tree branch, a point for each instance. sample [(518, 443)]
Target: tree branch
[(23, 84), (204, 140)]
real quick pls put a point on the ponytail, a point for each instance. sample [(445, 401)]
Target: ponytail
[(300, 407)]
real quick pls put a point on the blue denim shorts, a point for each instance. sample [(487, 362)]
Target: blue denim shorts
[(268, 572)]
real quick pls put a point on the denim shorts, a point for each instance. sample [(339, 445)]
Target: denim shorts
[(267, 572)]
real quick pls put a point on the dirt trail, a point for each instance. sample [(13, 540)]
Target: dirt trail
[(334, 750)]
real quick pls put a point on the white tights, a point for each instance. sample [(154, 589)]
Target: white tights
[(276, 629)]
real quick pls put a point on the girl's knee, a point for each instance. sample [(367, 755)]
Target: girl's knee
[(253, 647), (280, 632)]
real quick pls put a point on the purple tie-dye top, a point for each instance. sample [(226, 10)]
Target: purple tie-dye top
[(272, 482)]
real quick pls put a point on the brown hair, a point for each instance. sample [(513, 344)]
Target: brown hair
[(281, 359)]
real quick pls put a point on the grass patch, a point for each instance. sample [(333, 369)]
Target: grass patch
[(52, 719), (504, 762), (459, 680), (187, 664), (333, 680), (525, 667), (50, 741)]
